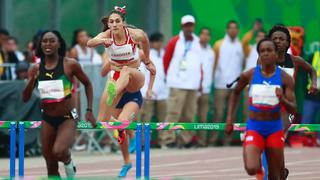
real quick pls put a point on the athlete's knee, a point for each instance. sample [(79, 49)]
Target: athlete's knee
[(252, 169), (60, 153), (124, 70)]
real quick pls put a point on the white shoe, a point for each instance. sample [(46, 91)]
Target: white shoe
[(80, 147), (70, 169)]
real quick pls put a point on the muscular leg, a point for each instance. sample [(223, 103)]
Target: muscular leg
[(64, 141), (275, 160), (130, 79), (251, 157), (125, 114), (103, 114), (48, 137)]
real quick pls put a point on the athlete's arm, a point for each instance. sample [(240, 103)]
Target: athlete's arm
[(301, 63), (32, 77), (235, 97), (141, 37), (152, 76), (289, 99), (106, 68), (83, 78), (100, 39)]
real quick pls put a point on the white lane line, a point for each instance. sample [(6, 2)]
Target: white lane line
[(183, 174), (301, 162), (231, 169)]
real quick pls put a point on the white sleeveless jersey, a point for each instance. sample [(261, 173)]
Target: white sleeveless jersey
[(123, 52), (84, 56)]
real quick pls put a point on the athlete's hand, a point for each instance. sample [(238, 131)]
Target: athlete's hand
[(279, 93), (90, 118), (33, 73), (313, 89), (228, 129), (107, 42), (150, 94)]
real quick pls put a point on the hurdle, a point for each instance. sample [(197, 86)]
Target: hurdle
[(22, 125), (209, 127), (139, 127)]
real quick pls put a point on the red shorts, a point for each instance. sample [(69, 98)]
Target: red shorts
[(275, 140), (116, 74)]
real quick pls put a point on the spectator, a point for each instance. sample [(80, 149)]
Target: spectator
[(4, 34), (207, 57), (251, 61), (160, 91), (22, 70), (84, 55), (80, 51), (250, 36), (13, 52), (182, 68), (228, 66), (312, 101), (28, 53)]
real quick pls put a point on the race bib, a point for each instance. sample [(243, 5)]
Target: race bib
[(51, 89), (264, 95)]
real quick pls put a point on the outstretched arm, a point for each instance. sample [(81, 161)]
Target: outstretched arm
[(289, 99), (83, 78), (100, 39), (301, 63), (234, 99)]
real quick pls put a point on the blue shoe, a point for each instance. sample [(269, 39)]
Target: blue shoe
[(132, 145), (124, 170)]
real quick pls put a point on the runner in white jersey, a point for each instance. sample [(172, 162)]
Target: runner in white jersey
[(123, 94)]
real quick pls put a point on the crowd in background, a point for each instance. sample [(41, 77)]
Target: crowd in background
[(189, 69)]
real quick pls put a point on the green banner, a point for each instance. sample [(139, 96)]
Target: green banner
[(162, 126)]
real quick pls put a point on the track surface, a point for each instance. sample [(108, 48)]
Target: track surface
[(224, 163)]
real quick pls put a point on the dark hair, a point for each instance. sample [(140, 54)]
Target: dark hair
[(61, 51), (205, 28), (259, 20), (14, 39), (281, 29), (156, 37), (4, 32), (36, 38), (232, 22), (264, 40), (105, 19), (75, 36)]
